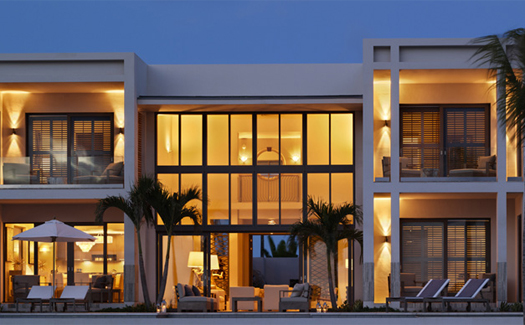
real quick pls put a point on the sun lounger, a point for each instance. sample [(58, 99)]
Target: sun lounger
[(37, 294), (74, 295), (468, 294), (432, 289)]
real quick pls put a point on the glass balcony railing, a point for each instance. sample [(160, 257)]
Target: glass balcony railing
[(73, 170), (411, 169)]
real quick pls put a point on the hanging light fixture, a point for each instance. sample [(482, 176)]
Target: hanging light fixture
[(85, 247)]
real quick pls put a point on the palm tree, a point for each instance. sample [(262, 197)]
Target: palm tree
[(138, 210), (172, 208), (328, 223), (505, 55), (283, 249)]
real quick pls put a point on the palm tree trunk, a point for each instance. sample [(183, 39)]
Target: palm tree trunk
[(336, 275), (164, 279), (330, 279), (143, 281)]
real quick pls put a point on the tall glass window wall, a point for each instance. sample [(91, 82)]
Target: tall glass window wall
[(256, 172)]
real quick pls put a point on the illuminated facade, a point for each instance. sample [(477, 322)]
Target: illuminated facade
[(410, 135)]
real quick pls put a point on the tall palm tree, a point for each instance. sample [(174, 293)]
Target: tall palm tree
[(138, 210), (172, 208), (505, 56), (328, 223)]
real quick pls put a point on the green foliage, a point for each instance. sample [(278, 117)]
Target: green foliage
[(283, 249), (138, 308), (513, 307), (358, 307), (505, 56)]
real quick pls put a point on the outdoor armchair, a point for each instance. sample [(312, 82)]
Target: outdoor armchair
[(298, 298), (189, 298), (38, 294)]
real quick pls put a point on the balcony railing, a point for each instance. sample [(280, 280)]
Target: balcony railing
[(74, 170), (411, 169)]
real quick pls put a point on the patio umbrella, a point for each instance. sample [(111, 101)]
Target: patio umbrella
[(53, 231)]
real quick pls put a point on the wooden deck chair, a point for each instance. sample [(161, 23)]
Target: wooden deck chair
[(468, 294), (37, 294), (74, 295), (432, 289)]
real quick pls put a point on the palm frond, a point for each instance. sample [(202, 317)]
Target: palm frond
[(505, 57)]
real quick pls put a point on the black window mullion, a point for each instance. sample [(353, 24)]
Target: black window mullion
[(254, 173), (205, 173)]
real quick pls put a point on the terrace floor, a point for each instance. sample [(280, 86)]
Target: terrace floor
[(243, 318)]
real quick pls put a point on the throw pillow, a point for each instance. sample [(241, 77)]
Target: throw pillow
[(100, 282), (306, 290), (113, 169), (196, 291), (297, 290), (484, 160), (403, 162), (188, 292)]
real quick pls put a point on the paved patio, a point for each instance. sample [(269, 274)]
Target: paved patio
[(264, 318)]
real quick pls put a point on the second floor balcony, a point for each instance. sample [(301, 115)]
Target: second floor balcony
[(80, 170)]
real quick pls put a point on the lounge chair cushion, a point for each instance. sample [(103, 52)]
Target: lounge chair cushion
[(484, 160), (196, 291), (297, 290), (306, 290), (113, 169), (188, 291)]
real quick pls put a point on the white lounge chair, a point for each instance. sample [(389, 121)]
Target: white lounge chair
[(74, 295), (37, 294), (431, 290), (468, 294)]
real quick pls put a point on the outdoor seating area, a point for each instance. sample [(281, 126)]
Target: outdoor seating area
[(434, 292)]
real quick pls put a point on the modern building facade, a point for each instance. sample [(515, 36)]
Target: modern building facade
[(411, 135)]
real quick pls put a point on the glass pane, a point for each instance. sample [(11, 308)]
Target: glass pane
[(220, 267), (218, 199), (291, 198), (343, 263), (116, 256), (342, 188), (171, 182), (342, 140), (241, 198), (89, 257), (319, 187), (268, 140), (241, 139), (317, 126), (291, 138), (45, 263), (267, 199), (187, 181), (19, 258), (181, 268), (167, 139), (191, 144), (217, 139), (275, 262)]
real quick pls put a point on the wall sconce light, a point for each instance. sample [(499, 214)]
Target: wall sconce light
[(13, 131), (120, 130), (386, 239), (386, 123)]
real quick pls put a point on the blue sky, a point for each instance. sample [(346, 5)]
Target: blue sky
[(220, 32)]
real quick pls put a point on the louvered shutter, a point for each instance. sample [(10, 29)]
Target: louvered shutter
[(466, 137), (420, 136), (92, 144), (422, 249), (48, 146)]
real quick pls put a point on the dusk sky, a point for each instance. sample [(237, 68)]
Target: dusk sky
[(220, 32)]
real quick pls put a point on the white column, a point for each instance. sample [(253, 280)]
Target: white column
[(502, 246), (395, 242)]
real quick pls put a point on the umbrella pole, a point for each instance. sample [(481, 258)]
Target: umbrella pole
[(54, 269)]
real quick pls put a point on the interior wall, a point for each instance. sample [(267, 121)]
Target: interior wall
[(382, 249), (16, 105), (382, 112), (451, 93)]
